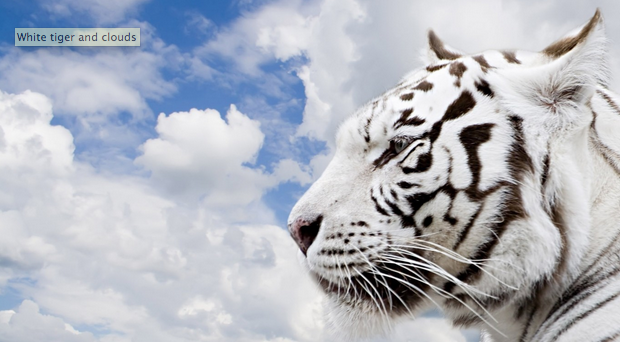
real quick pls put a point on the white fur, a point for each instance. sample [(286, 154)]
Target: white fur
[(565, 116)]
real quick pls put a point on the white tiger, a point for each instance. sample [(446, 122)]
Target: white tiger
[(486, 184)]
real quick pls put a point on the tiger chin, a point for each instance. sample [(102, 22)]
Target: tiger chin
[(487, 185)]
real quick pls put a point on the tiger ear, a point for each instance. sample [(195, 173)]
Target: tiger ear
[(438, 51), (578, 36), (566, 76)]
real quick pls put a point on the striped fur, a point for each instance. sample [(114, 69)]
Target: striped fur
[(486, 184)]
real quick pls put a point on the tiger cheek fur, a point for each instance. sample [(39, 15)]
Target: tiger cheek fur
[(468, 186)]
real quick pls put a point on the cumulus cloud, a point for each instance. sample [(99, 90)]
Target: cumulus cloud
[(41, 147), (199, 147), (27, 324), (101, 94), (278, 29), (93, 250), (198, 153), (89, 86)]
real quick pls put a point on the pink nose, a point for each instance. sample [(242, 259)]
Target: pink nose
[(304, 230)]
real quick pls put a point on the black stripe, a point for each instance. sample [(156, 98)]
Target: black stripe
[(519, 162), (472, 137), (461, 106), (425, 161), (377, 206), (437, 46), (367, 129), (435, 131), (466, 321), (423, 86), (510, 57), (433, 68), (416, 201), (404, 119), (499, 301), (409, 222), (607, 153), (484, 65), (405, 113), (484, 88), (395, 209), (584, 315), (453, 303), (577, 293), (545, 173), (605, 251), (407, 97), (557, 217), (465, 232), (611, 337), (457, 69), (528, 323), (407, 185), (383, 159), (449, 190), (610, 101)]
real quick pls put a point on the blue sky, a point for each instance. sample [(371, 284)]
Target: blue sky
[(186, 26), (144, 191)]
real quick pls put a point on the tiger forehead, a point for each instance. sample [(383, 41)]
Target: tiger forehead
[(420, 96)]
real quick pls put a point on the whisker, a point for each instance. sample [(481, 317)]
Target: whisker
[(435, 269), (405, 249), (449, 253), (411, 286), (446, 294), (383, 313), (373, 267), (377, 271)]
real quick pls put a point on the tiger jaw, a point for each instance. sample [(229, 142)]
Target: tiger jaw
[(372, 270), (382, 287), (379, 266)]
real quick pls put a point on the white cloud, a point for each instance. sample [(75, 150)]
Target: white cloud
[(197, 22), (108, 251), (5, 316), (198, 154), (279, 29), (89, 86), (41, 147), (27, 324), (101, 94)]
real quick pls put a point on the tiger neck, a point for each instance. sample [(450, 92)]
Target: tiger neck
[(604, 198), (605, 181), (600, 166)]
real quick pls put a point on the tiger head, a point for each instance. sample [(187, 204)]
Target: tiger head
[(463, 187)]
